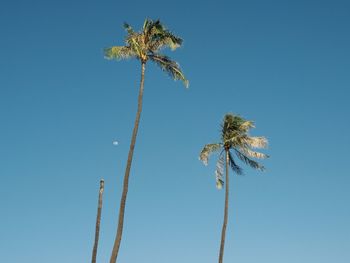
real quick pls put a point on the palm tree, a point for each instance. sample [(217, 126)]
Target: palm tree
[(234, 139), (98, 220), (144, 46)]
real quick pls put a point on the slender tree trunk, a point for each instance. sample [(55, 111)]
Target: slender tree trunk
[(127, 170), (98, 221), (223, 232)]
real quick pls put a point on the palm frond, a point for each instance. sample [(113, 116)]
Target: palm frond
[(207, 150), (220, 171), (245, 126), (145, 24), (231, 126), (128, 28), (249, 161), (118, 52), (157, 26), (134, 42), (174, 42), (235, 167), (256, 142), (157, 36), (235, 123), (150, 28), (150, 25), (169, 66), (253, 154), (165, 39)]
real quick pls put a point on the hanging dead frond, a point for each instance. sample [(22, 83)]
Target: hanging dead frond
[(207, 150), (220, 171)]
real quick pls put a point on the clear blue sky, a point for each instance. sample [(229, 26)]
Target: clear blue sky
[(283, 64)]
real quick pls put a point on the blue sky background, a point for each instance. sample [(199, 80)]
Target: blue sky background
[(283, 64)]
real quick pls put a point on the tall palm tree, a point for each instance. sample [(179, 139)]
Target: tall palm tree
[(98, 220), (234, 140), (144, 45)]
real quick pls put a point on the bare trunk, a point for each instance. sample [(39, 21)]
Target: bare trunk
[(223, 232), (98, 221), (118, 237)]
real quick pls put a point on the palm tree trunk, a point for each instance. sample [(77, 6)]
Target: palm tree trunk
[(98, 221), (223, 232), (118, 237)]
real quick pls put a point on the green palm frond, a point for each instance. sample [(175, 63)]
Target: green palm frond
[(147, 29), (231, 126), (165, 39), (169, 66), (235, 167), (145, 24), (157, 26), (234, 125), (149, 26), (220, 171), (129, 29), (134, 42), (157, 36), (150, 29), (207, 150), (249, 161), (118, 52), (172, 41), (226, 125)]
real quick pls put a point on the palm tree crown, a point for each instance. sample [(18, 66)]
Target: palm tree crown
[(235, 139), (146, 45)]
